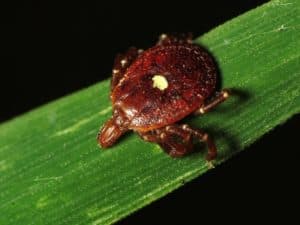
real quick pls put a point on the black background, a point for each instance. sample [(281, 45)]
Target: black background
[(49, 50)]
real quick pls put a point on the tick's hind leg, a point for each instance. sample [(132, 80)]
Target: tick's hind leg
[(219, 98), (172, 141), (178, 140), (121, 63), (203, 137)]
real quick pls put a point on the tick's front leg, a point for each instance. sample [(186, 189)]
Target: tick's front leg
[(219, 98), (121, 63)]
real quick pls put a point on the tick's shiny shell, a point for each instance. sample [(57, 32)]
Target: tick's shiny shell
[(187, 75)]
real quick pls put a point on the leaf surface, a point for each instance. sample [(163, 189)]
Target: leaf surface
[(52, 171)]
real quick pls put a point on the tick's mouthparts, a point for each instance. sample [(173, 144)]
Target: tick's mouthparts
[(110, 133)]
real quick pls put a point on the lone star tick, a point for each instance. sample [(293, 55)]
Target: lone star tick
[(152, 90)]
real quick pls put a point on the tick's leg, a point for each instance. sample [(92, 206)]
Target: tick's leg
[(121, 63), (203, 137), (195, 133), (176, 144), (220, 97), (165, 39), (177, 140)]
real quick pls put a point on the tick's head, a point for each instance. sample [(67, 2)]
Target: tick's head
[(112, 130), (108, 134)]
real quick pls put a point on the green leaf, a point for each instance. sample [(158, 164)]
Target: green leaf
[(52, 171)]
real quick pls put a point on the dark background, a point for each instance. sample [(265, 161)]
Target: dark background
[(49, 50)]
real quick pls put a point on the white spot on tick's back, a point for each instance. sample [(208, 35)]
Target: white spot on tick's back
[(160, 82)]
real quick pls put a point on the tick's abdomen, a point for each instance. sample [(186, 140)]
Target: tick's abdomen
[(187, 75)]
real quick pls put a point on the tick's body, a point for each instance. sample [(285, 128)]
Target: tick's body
[(154, 89)]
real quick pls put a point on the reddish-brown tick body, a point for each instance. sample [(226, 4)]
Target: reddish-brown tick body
[(186, 77)]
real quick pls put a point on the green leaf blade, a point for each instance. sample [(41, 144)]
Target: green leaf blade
[(52, 172)]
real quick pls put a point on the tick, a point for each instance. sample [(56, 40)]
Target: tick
[(153, 90)]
